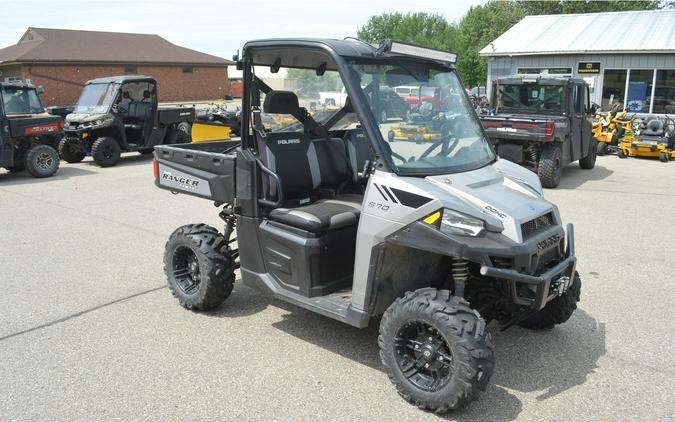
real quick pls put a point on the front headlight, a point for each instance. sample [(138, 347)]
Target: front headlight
[(457, 223)]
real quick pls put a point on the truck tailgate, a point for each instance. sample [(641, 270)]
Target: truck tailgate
[(507, 127), (206, 170)]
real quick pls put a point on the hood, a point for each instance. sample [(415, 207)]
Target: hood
[(502, 194), (86, 117)]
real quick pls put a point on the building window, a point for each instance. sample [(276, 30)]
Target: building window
[(613, 87), (187, 70), (639, 88), (664, 93), (131, 70)]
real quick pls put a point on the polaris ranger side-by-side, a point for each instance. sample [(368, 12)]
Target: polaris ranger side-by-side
[(28, 135), (438, 238), (119, 114), (543, 123)]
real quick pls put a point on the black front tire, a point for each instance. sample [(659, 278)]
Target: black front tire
[(621, 153), (550, 165), (558, 310), (42, 161), (588, 162), (106, 151), (457, 331), (70, 153), (602, 148), (199, 267), (146, 151), (664, 157)]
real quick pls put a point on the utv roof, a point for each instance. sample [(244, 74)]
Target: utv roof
[(18, 84), (542, 80), (292, 52), (121, 79)]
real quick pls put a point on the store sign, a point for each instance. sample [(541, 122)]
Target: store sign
[(589, 67)]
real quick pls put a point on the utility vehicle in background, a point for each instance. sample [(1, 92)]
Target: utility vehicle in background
[(29, 136), (120, 114), (438, 239), (542, 123)]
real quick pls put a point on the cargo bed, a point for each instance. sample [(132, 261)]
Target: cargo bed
[(206, 170)]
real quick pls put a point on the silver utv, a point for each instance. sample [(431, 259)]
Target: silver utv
[(437, 238)]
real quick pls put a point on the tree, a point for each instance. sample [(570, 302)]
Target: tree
[(430, 30), (480, 26)]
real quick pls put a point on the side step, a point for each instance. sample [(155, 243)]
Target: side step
[(336, 305)]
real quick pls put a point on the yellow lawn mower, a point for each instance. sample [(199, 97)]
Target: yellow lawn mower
[(611, 129), (656, 140), (421, 126)]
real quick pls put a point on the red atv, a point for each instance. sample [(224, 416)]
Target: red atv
[(29, 136)]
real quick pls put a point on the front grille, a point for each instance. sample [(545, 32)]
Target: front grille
[(532, 227)]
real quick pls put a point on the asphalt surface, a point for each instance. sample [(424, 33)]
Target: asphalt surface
[(88, 330)]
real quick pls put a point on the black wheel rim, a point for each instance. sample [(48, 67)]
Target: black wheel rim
[(108, 152), (44, 161), (423, 356), (186, 270)]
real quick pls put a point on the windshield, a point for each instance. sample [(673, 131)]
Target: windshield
[(531, 97), (96, 98), (429, 127), (21, 100)]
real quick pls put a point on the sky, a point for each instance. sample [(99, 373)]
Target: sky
[(214, 27)]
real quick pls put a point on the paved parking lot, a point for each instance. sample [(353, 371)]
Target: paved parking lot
[(88, 330)]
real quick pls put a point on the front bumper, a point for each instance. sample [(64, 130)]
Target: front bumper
[(547, 286)]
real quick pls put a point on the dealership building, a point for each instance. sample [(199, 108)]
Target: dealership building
[(62, 61), (626, 57)]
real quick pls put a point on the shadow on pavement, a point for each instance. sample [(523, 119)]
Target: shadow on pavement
[(550, 361), (127, 159), (24, 178), (573, 176)]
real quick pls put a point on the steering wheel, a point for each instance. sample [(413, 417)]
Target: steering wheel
[(446, 147), (398, 157)]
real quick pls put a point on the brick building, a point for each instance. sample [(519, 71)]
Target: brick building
[(64, 60)]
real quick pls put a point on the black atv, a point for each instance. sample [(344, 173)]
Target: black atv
[(120, 114), (28, 135), (543, 123)]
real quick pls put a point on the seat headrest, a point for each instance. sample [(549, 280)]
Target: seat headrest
[(281, 102)]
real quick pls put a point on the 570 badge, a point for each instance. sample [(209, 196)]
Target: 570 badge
[(380, 207)]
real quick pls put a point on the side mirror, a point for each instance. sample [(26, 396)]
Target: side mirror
[(40, 90)]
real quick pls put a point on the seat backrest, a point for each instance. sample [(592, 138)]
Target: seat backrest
[(360, 150), (654, 127), (329, 155), (286, 154), (139, 110)]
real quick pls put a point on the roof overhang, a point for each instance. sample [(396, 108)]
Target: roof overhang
[(569, 53)]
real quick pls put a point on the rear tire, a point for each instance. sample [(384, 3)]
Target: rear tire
[(621, 153), (69, 153), (550, 165), (663, 157), (106, 152), (42, 161), (199, 267), (435, 349), (602, 148), (177, 136), (558, 310), (588, 162)]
